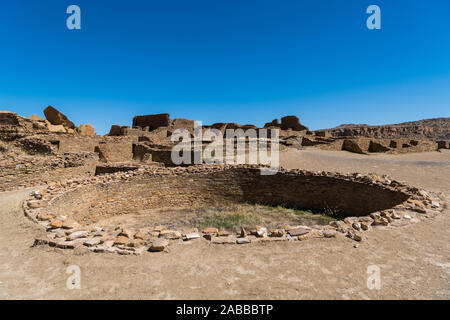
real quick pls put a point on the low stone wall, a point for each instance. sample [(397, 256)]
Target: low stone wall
[(69, 210), (24, 171), (235, 185)]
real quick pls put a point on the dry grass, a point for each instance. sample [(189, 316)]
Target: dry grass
[(247, 215), (229, 217)]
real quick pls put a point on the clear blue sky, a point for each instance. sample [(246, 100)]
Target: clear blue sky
[(227, 60)]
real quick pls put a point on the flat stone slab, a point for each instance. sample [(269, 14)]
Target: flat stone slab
[(159, 245), (92, 242), (224, 240), (298, 232), (77, 234), (242, 240), (191, 236)]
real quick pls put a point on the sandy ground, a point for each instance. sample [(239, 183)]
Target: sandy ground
[(414, 260)]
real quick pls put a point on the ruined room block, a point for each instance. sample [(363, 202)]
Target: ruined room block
[(355, 145), (377, 147), (115, 151), (293, 123), (152, 121)]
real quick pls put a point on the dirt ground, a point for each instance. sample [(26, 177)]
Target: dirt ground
[(414, 260)]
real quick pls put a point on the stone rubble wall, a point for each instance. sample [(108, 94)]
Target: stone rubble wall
[(70, 209)]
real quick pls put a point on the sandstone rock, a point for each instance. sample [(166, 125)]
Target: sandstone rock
[(385, 214), (136, 243), (121, 240), (356, 226), (277, 233), (55, 128), (34, 204), (127, 233), (154, 234), (338, 223), (224, 240), (210, 231), (45, 217), (310, 235), (159, 245), (98, 248), (419, 210), (435, 204), (92, 242), (191, 230), (243, 233), (70, 224), (271, 239), (375, 215), (349, 220), (107, 243), (357, 236), (141, 236), (209, 236), (57, 118), (298, 232), (170, 234), (377, 222), (242, 240), (86, 130), (259, 231), (329, 233), (223, 233), (417, 203), (365, 226), (69, 244), (56, 224)]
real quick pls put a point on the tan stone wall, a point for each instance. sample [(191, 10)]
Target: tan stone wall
[(219, 188)]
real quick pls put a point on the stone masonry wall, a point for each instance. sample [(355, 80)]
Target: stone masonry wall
[(94, 202)]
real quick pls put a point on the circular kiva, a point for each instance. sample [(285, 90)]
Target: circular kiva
[(74, 212)]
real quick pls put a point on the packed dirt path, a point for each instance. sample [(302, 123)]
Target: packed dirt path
[(414, 260)]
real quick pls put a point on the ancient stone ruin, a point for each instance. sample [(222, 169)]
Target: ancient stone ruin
[(89, 188), (77, 212)]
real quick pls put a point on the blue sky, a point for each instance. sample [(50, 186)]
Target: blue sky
[(227, 60)]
